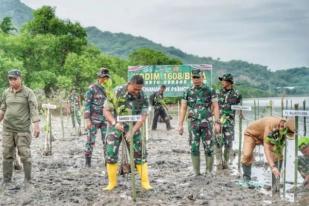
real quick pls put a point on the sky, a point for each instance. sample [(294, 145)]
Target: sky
[(273, 33)]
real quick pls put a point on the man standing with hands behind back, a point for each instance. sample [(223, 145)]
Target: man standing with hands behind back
[(19, 108)]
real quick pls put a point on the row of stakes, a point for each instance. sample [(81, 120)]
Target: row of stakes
[(145, 131)]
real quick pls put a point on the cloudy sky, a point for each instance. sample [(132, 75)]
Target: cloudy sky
[(268, 32)]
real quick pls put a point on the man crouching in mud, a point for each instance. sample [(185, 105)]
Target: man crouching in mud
[(272, 133), (202, 103)]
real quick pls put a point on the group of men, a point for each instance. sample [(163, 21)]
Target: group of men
[(210, 116)]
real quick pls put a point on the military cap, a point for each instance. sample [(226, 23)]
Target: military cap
[(14, 73), (103, 72), (196, 73), (227, 77)]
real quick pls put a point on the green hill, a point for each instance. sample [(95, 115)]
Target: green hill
[(252, 79), (18, 11)]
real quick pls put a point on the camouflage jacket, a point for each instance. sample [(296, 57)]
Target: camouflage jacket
[(94, 101), (227, 98), (158, 100), (199, 100), (128, 104), (74, 100)]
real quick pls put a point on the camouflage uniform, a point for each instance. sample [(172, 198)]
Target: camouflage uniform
[(74, 102), (138, 105), (227, 98), (94, 100), (159, 110), (199, 100)]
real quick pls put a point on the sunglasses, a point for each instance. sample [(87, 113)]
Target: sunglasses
[(12, 78), (195, 77)]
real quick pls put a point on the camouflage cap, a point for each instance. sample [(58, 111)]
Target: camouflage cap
[(196, 73), (227, 77), (14, 73), (103, 72)]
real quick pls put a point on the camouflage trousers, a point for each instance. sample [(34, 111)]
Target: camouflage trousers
[(113, 141), (76, 115), (226, 138), (303, 165), (11, 141), (201, 132), (91, 137)]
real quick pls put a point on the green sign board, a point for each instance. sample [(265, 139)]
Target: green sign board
[(176, 78)]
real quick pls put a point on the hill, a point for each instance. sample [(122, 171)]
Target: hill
[(19, 12), (252, 79)]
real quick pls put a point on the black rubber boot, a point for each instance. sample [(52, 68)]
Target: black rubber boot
[(88, 162), (246, 172)]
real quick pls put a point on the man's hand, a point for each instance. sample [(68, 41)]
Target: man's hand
[(275, 171), (119, 126), (128, 136), (36, 129), (88, 124), (180, 129)]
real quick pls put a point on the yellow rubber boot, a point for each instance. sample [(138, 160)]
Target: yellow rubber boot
[(112, 176), (142, 170)]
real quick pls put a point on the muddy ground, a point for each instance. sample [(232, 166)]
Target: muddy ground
[(62, 179)]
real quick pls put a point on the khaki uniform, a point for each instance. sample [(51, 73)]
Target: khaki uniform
[(255, 134), (20, 109)]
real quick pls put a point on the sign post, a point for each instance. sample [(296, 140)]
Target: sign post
[(240, 108), (48, 138), (296, 113), (131, 119)]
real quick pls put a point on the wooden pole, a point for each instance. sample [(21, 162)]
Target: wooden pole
[(50, 132), (296, 153), (271, 107), (240, 140), (132, 164), (305, 119), (258, 109), (282, 106), (61, 117), (285, 152), (254, 103)]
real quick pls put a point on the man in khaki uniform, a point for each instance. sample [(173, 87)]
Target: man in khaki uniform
[(18, 109), (271, 132)]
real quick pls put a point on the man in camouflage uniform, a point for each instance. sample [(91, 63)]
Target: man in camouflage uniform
[(93, 113), (160, 108), (74, 108), (227, 96), (303, 161), (129, 100), (19, 108), (202, 104)]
